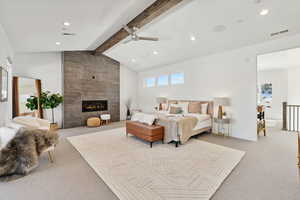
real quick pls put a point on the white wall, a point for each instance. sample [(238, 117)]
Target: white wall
[(279, 80), (44, 66), (231, 74), (294, 86), (5, 51), (128, 89)]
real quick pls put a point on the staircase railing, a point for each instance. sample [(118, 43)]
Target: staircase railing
[(290, 117), (290, 121)]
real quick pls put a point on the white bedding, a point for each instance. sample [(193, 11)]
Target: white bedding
[(204, 120)]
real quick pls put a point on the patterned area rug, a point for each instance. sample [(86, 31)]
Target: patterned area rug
[(134, 171)]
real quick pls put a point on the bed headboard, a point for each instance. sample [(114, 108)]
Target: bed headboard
[(210, 109)]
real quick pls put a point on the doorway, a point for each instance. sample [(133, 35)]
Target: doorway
[(278, 87)]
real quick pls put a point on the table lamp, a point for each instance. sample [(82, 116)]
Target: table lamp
[(221, 101), (161, 100)]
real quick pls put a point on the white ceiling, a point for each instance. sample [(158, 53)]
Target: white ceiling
[(36, 25), (244, 26), (279, 60)]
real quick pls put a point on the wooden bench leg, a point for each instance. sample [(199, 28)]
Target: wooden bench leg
[(151, 144), (50, 157)]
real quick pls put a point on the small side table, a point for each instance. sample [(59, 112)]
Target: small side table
[(220, 125), (106, 118)]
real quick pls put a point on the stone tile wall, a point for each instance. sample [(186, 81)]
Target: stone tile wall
[(89, 77)]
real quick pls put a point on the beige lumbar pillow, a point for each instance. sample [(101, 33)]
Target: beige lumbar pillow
[(194, 107), (175, 110)]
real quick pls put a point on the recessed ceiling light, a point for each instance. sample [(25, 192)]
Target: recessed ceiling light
[(155, 52), (264, 12), (133, 60), (67, 23), (193, 38), (57, 43), (240, 21), (219, 28)]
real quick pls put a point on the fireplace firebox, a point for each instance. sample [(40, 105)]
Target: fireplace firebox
[(94, 105)]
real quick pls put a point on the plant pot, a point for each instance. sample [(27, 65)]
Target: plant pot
[(54, 127)]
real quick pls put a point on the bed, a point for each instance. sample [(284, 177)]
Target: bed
[(180, 127)]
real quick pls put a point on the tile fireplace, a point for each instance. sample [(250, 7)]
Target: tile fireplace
[(94, 105)]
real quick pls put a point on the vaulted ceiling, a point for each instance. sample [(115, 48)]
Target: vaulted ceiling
[(215, 25), (194, 28), (36, 25)]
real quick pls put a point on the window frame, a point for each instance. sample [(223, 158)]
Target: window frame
[(148, 78), (168, 80), (181, 83)]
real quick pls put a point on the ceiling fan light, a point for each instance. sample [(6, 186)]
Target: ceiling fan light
[(264, 12), (193, 38)]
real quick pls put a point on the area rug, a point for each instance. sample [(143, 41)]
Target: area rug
[(134, 171)]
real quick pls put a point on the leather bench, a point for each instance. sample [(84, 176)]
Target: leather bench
[(145, 132)]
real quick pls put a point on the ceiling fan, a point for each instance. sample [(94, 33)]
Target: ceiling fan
[(134, 37)]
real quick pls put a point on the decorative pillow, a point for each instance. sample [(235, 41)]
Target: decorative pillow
[(137, 117), (194, 107), (175, 110), (164, 106), (184, 106), (148, 119), (27, 121), (172, 102), (204, 108), (172, 105), (14, 125)]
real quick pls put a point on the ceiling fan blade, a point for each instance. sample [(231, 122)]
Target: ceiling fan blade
[(149, 38), (127, 41), (130, 31)]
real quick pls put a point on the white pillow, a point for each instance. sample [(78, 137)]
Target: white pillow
[(27, 121), (204, 108), (137, 117), (184, 106), (148, 119), (6, 134), (14, 125)]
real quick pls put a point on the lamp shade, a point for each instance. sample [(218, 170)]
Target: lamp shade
[(222, 101), (161, 100)]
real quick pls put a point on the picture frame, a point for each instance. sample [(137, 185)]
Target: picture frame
[(3, 85)]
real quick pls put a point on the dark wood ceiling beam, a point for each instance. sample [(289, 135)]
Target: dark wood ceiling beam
[(149, 14)]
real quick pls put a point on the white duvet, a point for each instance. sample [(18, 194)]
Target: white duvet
[(204, 120)]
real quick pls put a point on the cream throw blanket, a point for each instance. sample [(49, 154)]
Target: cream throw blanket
[(177, 127), (185, 128)]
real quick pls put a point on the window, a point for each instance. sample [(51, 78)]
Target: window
[(266, 94), (177, 78), (150, 82), (163, 80)]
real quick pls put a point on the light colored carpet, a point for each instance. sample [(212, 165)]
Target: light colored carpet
[(134, 171)]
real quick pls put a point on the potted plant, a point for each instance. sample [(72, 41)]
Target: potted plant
[(32, 104), (51, 101)]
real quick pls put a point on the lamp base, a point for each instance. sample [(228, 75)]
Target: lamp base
[(160, 107), (220, 112)]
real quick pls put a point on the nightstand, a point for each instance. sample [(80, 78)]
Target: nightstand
[(220, 126)]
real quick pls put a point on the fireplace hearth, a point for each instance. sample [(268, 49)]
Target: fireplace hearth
[(94, 106)]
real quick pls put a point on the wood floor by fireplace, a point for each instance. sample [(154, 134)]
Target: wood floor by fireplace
[(94, 105)]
